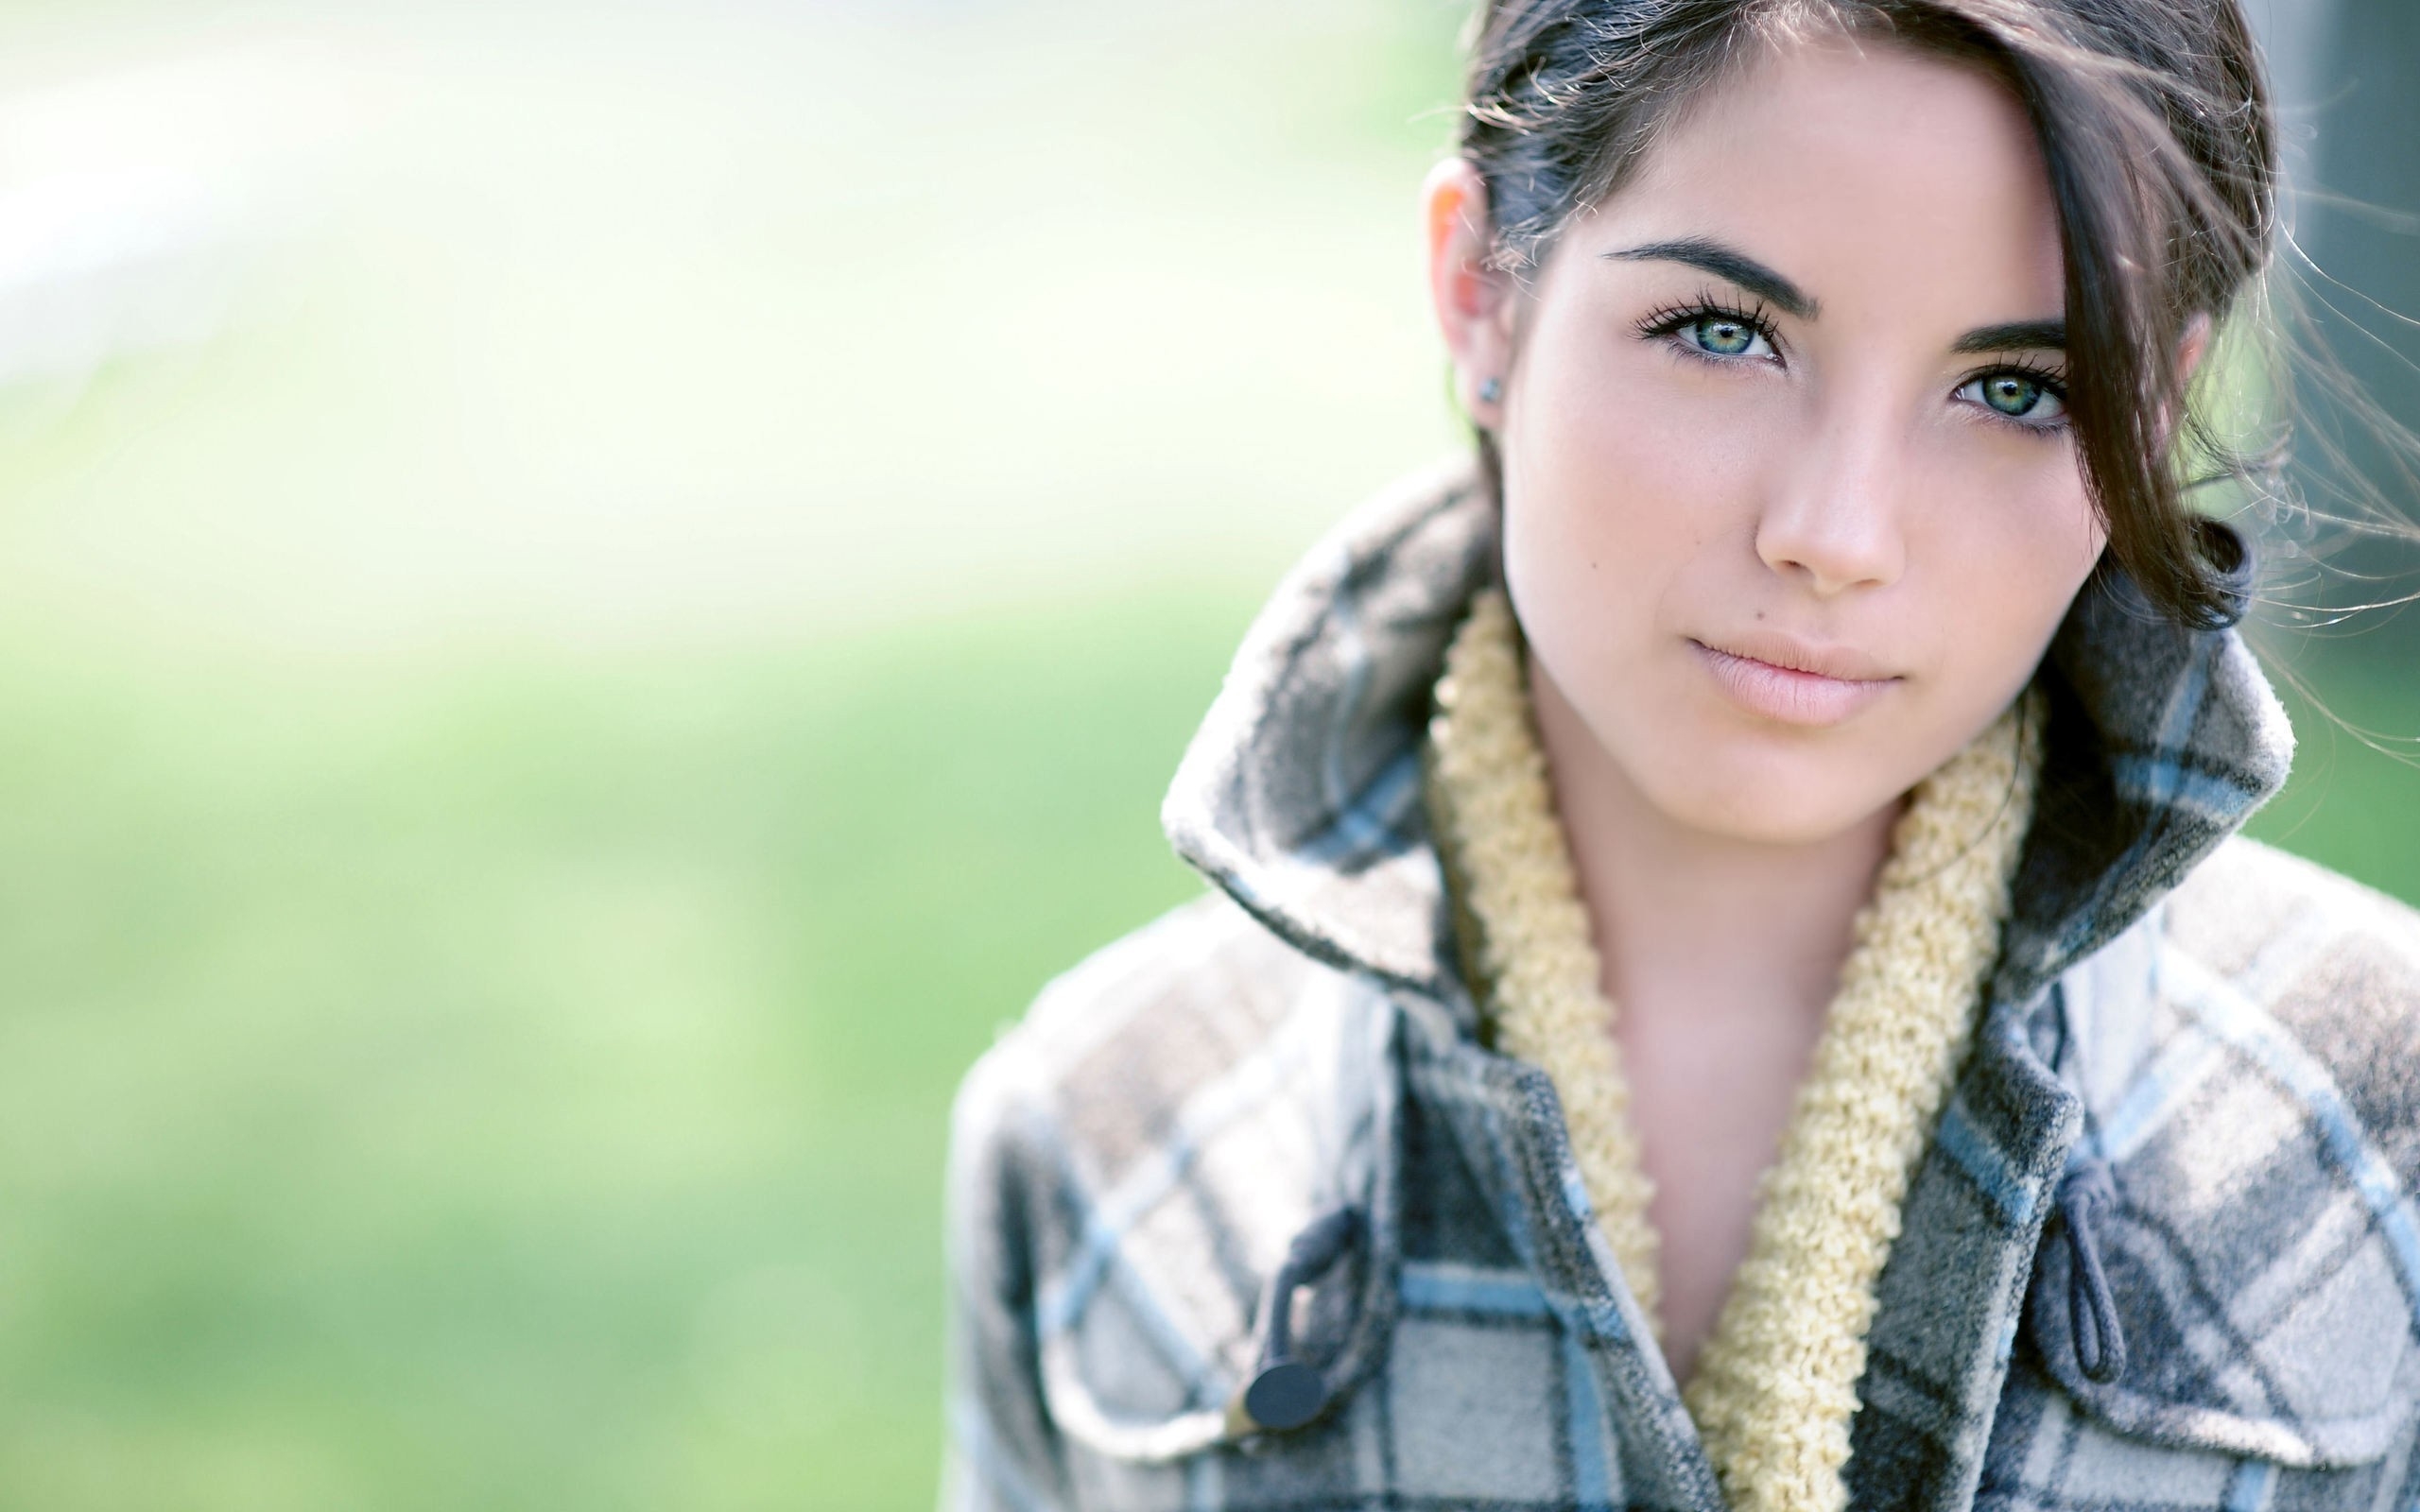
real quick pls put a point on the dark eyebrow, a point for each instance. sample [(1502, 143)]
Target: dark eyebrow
[(1726, 263), (2017, 336)]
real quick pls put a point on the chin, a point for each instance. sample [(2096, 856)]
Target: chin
[(1778, 805)]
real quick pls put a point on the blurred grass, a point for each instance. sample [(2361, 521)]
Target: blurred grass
[(2354, 799), (651, 612), (526, 1086)]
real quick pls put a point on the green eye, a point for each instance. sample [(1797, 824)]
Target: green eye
[(1723, 338), (2038, 402), (1711, 329), (2011, 395)]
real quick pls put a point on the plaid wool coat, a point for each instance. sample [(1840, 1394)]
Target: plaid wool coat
[(2232, 1031)]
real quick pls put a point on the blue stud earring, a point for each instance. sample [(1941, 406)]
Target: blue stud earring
[(1490, 390)]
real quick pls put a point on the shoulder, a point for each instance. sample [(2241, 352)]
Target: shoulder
[(2249, 889), (1156, 1003), (1114, 1051), (2312, 981), (2335, 963)]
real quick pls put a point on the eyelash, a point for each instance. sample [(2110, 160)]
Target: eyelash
[(1672, 319), (2053, 380)]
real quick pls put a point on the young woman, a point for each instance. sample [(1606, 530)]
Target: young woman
[(1730, 983)]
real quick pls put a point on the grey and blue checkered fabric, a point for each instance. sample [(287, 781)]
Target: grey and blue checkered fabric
[(2233, 1031)]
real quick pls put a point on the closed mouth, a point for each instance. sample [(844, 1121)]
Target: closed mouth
[(1782, 654), (1792, 684)]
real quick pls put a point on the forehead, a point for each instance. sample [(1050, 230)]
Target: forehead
[(1858, 167)]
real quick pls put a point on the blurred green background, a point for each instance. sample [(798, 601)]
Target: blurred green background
[(591, 597)]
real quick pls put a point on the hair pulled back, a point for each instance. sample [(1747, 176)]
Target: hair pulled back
[(2154, 127)]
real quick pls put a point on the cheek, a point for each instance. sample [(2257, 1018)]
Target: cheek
[(2012, 554), (1614, 464)]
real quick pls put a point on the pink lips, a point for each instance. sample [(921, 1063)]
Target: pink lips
[(1794, 684)]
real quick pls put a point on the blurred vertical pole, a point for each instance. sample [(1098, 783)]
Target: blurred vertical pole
[(2346, 74), (2296, 38)]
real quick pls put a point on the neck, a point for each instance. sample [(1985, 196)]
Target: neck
[(1688, 919)]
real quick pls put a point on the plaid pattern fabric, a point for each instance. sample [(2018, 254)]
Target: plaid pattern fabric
[(2232, 1031)]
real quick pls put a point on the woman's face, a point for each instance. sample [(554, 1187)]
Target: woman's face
[(1791, 508)]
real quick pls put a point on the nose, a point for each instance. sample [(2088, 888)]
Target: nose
[(1833, 520)]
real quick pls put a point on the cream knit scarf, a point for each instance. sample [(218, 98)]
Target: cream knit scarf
[(1776, 1380)]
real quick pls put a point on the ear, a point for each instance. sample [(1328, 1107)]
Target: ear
[(2191, 349), (1474, 302)]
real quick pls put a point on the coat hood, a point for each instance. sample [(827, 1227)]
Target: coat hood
[(1300, 794)]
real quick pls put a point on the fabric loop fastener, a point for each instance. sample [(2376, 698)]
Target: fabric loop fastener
[(2087, 1190), (1286, 1393)]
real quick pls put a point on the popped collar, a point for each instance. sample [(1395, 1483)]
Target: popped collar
[(2233, 1031)]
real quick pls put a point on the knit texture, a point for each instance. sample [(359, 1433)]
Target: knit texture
[(1776, 1381), (1524, 925)]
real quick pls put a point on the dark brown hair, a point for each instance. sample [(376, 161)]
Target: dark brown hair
[(2153, 124)]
